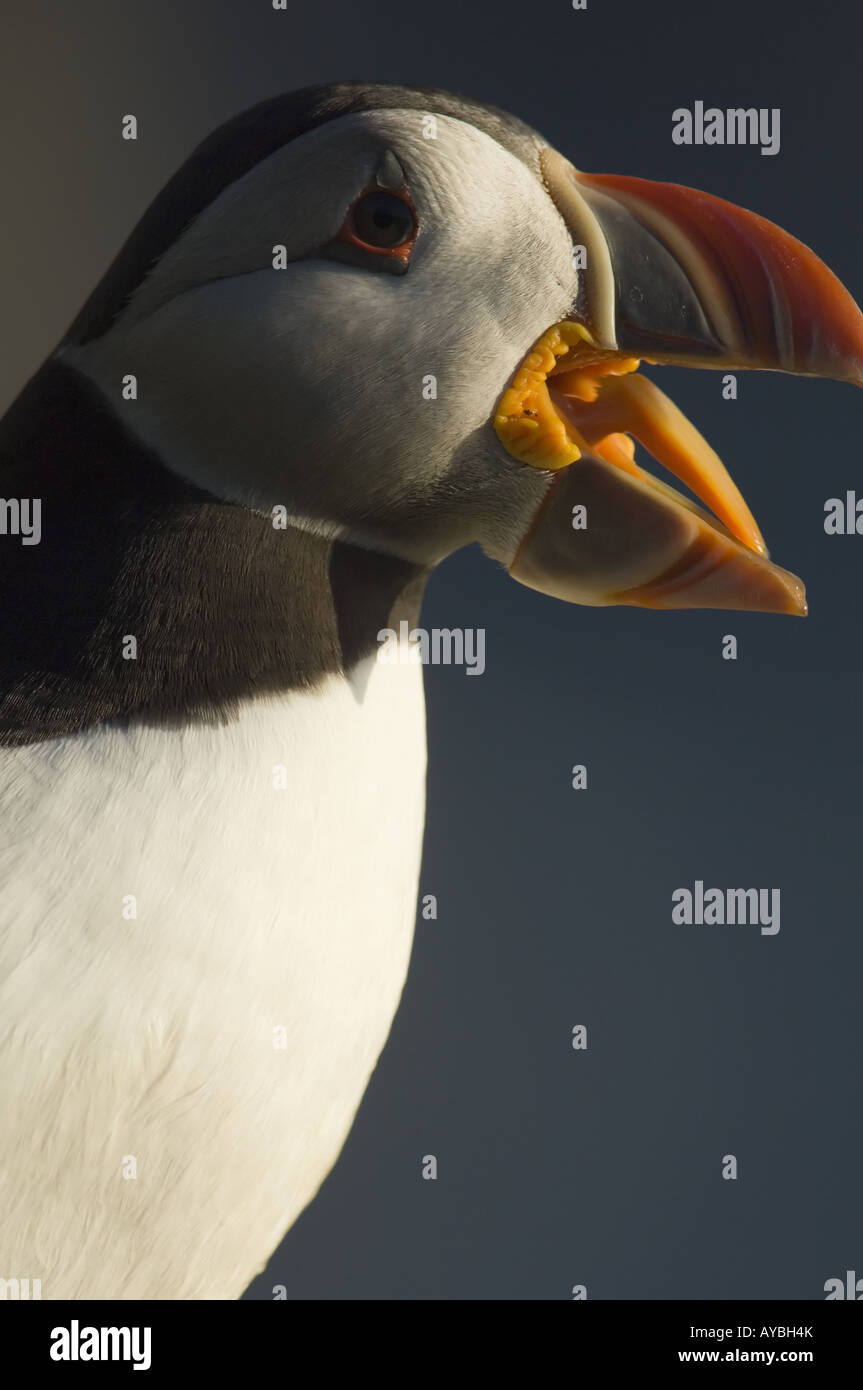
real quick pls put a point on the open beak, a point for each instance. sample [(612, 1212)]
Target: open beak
[(670, 276)]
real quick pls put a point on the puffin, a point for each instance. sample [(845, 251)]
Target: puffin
[(363, 326)]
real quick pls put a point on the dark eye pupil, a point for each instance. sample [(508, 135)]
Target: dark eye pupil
[(381, 219)]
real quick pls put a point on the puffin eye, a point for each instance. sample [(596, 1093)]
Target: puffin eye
[(378, 233), (382, 221)]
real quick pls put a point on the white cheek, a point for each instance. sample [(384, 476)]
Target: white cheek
[(339, 392), (247, 385)]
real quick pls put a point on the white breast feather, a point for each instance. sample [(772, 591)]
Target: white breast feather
[(157, 1039)]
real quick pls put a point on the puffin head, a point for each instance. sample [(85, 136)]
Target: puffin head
[(406, 319)]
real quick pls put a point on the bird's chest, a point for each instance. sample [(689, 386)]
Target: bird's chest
[(213, 924), (293, 830)]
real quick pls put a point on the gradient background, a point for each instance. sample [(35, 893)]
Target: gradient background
[(557, 1167)]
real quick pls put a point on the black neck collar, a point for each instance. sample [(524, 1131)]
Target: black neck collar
[(223, 607)]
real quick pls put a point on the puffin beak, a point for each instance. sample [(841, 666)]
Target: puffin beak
[(669, 275)]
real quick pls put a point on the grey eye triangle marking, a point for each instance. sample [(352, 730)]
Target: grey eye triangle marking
[(390, 175)]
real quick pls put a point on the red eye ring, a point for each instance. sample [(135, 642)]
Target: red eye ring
[(382, 223)]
